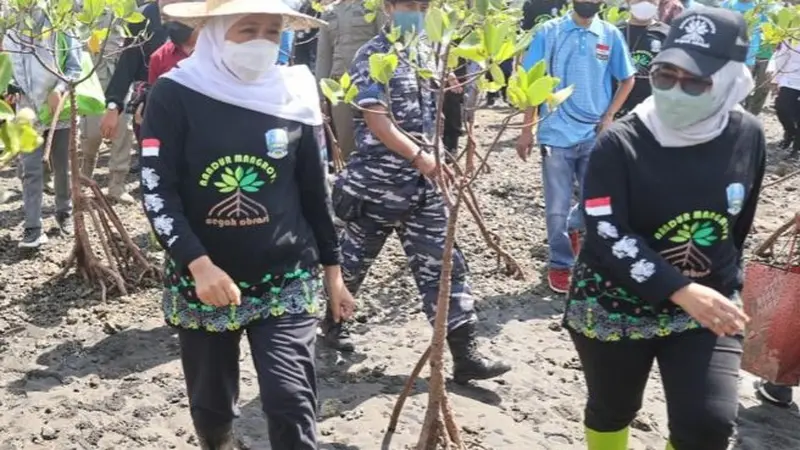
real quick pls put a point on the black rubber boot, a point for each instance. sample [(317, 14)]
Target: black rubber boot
[(220, 438), (468, 363), (336, 335)]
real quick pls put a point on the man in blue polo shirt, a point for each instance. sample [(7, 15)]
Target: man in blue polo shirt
[(587, 52)]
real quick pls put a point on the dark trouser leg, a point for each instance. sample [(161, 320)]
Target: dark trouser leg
[(452, 121), (362, 241), (616, 374), (700, 374), (211, 368), (283, 354), (786, 110), (423, 236)]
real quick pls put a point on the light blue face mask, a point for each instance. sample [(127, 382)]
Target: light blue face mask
[(408, 21), (678, 110)]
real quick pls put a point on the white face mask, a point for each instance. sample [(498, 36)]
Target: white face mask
[(250, 60), (644, 11)]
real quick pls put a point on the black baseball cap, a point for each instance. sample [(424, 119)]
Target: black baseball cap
[(703, 40)]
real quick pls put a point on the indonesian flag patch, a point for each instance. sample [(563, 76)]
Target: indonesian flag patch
[(597, 207), (602, 51), (150, 147)]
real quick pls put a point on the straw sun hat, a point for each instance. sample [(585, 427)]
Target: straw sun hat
[(196, 12)]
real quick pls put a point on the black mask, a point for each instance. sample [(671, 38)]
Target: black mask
[(178, 33), (587, 10)]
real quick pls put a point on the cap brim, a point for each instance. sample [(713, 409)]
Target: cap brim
[(693, 62), (194, 13)]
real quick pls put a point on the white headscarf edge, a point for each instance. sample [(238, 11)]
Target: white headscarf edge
[(286, 92), (731, 84)]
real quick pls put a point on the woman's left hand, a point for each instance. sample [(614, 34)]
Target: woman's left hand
[(342, 302)]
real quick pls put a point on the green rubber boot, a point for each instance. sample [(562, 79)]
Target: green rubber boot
[(612, 440)]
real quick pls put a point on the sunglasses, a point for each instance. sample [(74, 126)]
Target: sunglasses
[(664, 79)]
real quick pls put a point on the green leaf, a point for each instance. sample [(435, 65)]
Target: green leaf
[(517, 97), (482, 7), (694, 227), (229, 171), (351, 94), (248, 179), (345, 81), (685, 234), (505, 52), (220, 184), (537, 71), (230, 181), (435, 24), (6, 71), (382, 67), (678, 239), (135, 17), (29, 139), (476, 53), (257, 184), (238, 174), (703, 233), (331, 90), (227, 189), (702, 242), (539, 91), (497, 75), (249, 170), (6, 112), (425, 73), (369, 17), (250, 189)]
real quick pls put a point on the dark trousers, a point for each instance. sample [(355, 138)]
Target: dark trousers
[(452, 120), (699, 372), (283, 354), (787, 107)]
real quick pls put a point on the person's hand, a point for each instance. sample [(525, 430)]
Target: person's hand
[(605, 122), (525, 144), (53, 101), (342, 302), (137, 117), (109, 124), (426, 163), (454, 84), (213, 286), (712, 309)]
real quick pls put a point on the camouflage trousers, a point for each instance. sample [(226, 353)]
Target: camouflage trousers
[(421, 229)]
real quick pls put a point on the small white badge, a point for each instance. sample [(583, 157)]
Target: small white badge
[(735, 194), (655, 46), (277, 143)]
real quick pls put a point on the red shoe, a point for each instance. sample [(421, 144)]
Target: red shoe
[(558, 279), (575, 242)]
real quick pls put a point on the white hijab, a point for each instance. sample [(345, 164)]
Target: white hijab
[(286, 92), (731, 85)]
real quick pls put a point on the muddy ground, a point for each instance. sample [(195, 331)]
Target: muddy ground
[(77, 373)]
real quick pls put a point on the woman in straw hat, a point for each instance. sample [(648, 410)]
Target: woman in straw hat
[(233, 177)]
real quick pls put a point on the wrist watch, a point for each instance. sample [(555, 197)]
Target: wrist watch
[(112, 106)]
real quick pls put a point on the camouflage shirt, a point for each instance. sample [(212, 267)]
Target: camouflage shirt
[(374, 172)]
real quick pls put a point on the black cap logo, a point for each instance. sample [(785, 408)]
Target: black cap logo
[(695, 29)]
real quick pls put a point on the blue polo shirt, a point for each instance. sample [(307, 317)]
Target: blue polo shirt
[(587, 58)]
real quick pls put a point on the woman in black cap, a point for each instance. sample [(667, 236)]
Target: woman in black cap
[(670, 193)]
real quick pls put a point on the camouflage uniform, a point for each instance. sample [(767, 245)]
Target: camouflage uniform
[(394, 196)]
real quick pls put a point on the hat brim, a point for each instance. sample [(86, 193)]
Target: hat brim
[(696, 63), (195, 13)]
